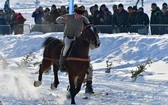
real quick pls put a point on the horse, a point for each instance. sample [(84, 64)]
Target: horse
[(77, 59)]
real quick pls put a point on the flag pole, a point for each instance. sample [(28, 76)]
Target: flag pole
[(9, 3), (71, 6)]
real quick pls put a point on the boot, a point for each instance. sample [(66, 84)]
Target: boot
[(89, 88), (62, 63)]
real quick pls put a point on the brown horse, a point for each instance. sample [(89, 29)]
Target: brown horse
[(77, 61)]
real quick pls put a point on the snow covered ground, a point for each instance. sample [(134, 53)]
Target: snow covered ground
[(125, 51)]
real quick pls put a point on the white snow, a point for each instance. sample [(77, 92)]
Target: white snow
[(126, 51)]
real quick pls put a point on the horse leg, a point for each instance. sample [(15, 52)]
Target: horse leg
[(79, 84), (56, 81), (72, 93), (72, 89), (43, 67), (75, 87)]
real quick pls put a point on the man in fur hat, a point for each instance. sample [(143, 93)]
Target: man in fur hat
[(73, 26)]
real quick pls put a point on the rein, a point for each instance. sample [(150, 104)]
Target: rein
[(83, 37), (77, 59), (50, 59)]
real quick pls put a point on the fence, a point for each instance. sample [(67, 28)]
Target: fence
[(153, 29)]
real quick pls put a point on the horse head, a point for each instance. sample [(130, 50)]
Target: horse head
[(90, 33)]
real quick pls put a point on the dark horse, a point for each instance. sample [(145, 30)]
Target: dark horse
[(77, 59)]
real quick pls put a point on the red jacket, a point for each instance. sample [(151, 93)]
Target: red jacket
[(19, 18)]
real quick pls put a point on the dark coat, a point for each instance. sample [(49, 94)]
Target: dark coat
[(163, 18), (53, 16), (46, 19), (155, 16), (142, 18), (95, 18), (122, 18), (114, 17), (132, 18), (4, 29), (37, 17), (2, 20), (107, 19)]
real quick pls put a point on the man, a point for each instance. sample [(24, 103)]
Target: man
[(164, 5), (163, 19), (54, 14), (142, 18), (73, 27), (122, 18), (115, 12), (37, 15), (17, 23), (154, 19), (3, 24)]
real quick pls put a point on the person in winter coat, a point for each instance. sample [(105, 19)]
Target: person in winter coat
[(4, 29), (17, 23), (37, 15), (46, 17), (163, 19), (46, 22), (114, 17), (132, 16), (142, 18), (63, 10), (95, 17), (122, 19), (106, 20), (54, 14), (154, 18)]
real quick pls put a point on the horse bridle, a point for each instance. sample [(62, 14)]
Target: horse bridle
[(90, 41)]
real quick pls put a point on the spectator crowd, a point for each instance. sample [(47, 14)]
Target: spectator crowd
[(118, 17), (11, 23)]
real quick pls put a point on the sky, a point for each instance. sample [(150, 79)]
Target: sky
[(125, 51)]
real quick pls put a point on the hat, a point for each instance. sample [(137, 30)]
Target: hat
[(114, 6), (154, 4), (130, 7), (141, 8), (120, 5), (47, 9), (96, 6), (79, 10), (164, 4), (53, 6)]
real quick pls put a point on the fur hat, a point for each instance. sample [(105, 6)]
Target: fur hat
[(79, 10)]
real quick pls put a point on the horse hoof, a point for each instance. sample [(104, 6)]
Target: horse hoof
[(53, 86), (68, 95), (37, 83)]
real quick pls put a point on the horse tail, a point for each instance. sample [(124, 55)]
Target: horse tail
[(47, 41)]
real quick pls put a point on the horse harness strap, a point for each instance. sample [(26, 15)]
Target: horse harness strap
[(77, 59)]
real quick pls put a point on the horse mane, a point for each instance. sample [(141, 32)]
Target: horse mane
[(52, 40)]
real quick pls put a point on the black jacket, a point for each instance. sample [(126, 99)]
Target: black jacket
[(155, 16), (122, 18), (142, 18)]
